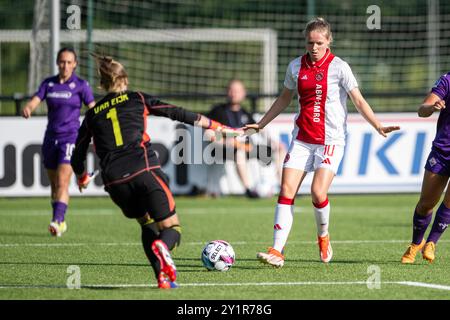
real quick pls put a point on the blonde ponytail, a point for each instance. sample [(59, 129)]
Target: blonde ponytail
[(113, 76)]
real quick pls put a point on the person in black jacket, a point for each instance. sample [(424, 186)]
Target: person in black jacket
[(234, 115), (130, 168)]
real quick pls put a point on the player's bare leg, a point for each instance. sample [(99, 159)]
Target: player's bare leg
[(63, 175), (52, 177)]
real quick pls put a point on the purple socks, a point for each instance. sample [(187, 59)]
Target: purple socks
[(59, 211), (441, 221), (420, 225)]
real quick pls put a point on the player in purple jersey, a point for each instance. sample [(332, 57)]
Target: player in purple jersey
[(437, 172), (65, 93)]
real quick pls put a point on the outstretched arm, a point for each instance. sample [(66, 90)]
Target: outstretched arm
[(281, 103), (431, 104), (159, 108), (30, 107), (366, 111)]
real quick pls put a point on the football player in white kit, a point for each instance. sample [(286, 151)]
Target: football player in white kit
[(323, 82)]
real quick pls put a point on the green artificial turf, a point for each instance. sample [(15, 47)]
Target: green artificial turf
[(368, 234)]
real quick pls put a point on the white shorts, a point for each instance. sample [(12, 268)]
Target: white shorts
[(309, 157)]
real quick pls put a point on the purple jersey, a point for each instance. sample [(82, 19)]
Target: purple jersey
[(441, 142), (64, 101)]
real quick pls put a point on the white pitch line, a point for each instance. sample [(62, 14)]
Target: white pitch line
[(425, 285), (205, 210), (237, 243), (238, 284), (298, 210)]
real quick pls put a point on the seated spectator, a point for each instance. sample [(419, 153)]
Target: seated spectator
[(234, 115)]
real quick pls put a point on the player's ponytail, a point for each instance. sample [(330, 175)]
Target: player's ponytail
[(319, 24), (113, 76)]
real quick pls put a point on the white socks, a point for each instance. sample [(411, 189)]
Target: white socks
[(284, 216), (322, 214)]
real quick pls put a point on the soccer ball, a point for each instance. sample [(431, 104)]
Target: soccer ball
[(218, 255)]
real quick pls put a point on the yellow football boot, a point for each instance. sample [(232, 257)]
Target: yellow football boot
[(428, 251), (410, 254), (57, 229)]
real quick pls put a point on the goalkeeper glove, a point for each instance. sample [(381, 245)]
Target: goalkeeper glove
[(85, 179), (224, 130)]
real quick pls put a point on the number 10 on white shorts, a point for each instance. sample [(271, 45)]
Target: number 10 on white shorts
[(309, 157)]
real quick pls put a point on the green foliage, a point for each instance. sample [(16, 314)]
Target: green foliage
[(16, 14)]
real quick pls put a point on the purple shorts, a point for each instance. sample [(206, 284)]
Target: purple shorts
[(57, 151), (437, 163)]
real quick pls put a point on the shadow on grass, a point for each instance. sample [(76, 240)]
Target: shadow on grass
[(305, 261), (180, 267), (76, 263), (85, 287), (255, 264)]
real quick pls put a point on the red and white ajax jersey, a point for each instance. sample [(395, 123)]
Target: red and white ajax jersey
[(322, 95)]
